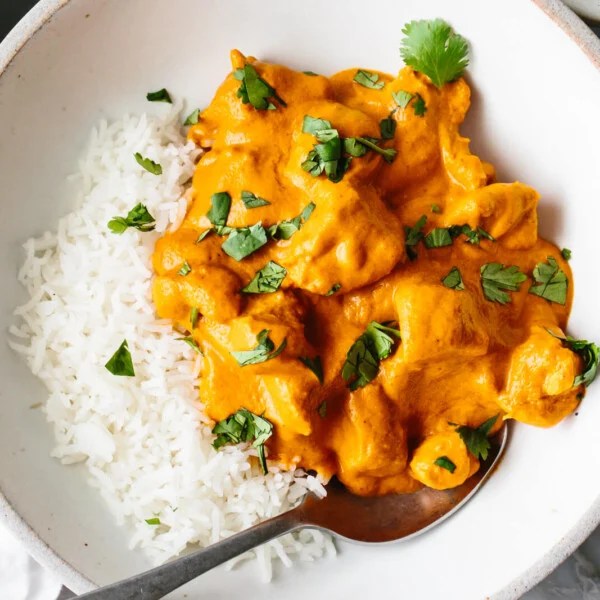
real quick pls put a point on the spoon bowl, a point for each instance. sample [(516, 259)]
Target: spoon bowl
[(376, 519)]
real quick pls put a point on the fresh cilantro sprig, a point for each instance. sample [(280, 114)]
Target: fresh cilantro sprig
[(432, 48), (284, 230), (244, 241), (255, 90), (590, 355), (138, 217), (314, 364), (454, 280), (365, 354), (476, 439), (264, 350), (148, 164), (551, 282), (251, 200), (267, 280), (412, 236), (496, 280), (368, 80), (241, 427)]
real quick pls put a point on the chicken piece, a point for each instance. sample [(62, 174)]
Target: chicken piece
[(454, 462), (539, 387)]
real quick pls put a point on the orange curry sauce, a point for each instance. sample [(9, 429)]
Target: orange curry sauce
[(462, 358)]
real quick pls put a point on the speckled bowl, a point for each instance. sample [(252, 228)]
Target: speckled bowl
[(535, 115)]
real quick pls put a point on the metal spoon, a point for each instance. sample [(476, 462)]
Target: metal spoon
[(355, 518)]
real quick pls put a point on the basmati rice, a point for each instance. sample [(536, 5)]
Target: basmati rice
[(145, 441)]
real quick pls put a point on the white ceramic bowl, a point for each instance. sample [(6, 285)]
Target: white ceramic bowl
[(535, 115)]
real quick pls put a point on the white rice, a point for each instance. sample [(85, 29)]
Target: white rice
[(145, 441)]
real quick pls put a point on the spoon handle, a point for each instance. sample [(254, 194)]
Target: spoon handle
[(157, 582)]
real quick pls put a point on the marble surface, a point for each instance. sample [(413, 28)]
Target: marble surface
[(21, 578)]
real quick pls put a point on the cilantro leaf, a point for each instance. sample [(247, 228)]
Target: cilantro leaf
[(312, 124), (311, 73), (419, 106), (590, 354), (431, 47), (194, 316), (185, 269), (354, 148), (496, 278), (368, 80), (267, 280), (120, 362), (159, 96), (413, 235), (566, 253), (402, 98), (203, 235), (148, 164), (284, 230), (387, 127), (435, 208), (445, 463), (473, 235), (193, 118), (334, 289), (454, 280), (251, 200), (551, 283), (241, 427), (244, 241), (138, 217), (255, 90), (365, 354), (438, 237), (153, 521), (388, 153), (265, 350), (314, 364), (476, 439), (220, 205), (191, 342)]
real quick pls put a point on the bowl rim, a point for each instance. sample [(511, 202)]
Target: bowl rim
[(17, 38)]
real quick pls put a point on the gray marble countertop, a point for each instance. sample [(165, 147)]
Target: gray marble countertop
[(578, 578)]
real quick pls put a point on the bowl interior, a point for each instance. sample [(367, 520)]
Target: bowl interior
[(532, 116)]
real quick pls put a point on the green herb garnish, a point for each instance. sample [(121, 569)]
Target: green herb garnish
[(153, 521), (388, 153), (387, 127), (314, 364), (191, 342), (413, 235), (284, 230), (313, 125), (194, 316), (185, 269), (496, 279), (419, 106), (265, 350), (120, 362), (454, 280), (160, 96), (473, 235), (435, 208), (193, 118), (311, 73), (445, 463), (267, 280), (244, 426), (220, 205), (566, 253), (244, 241), (590, 354), (251, 200), (402, 98), (148, 164), (368, 80), (476, 439), (255, 90), (138, 217), (438, 237), (365, 354), (432, 48), (551, 283), (334, 289)]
